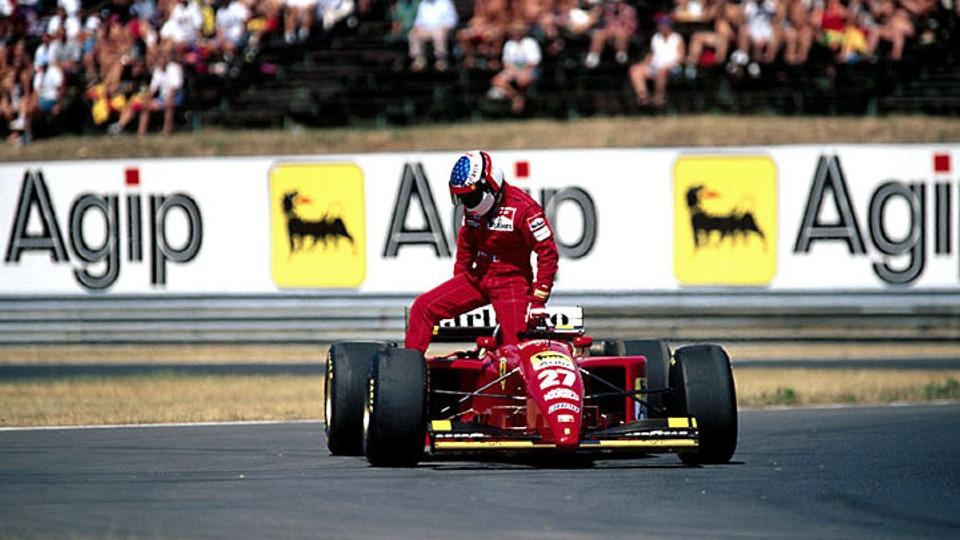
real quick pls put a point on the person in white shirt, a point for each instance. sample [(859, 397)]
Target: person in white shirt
[(521, 58), (184, 23), (62, 20), (47, 51), (666, 53), (435, 19), (48, 89), (232, 26), (302, 11), (165, 94)]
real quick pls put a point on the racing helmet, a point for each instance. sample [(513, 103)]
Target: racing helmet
[(475, 182)]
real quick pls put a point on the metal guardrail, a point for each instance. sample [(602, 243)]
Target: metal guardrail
[(840, 316)]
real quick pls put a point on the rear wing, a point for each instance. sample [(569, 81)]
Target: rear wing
[(565, 320)]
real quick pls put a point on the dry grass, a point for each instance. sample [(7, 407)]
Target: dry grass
[(162, 398), (586, 133), (169, 398), (161, 354), (295, 354), (757, 387)]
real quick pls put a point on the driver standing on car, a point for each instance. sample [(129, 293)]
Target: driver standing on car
[(502, 226)]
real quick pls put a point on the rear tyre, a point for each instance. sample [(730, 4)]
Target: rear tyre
[(345, 387), (395, 415), (658, 371), (704, 382)]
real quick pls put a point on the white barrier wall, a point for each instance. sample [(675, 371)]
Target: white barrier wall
[(781, 218)]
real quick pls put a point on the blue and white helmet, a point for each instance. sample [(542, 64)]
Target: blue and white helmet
[(475, 182)]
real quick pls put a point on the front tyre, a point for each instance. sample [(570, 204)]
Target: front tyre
[(395, 415), (704, 385), (345, 389)]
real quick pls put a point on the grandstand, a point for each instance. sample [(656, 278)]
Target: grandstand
[(352, 69)]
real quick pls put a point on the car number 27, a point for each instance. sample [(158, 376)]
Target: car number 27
[(555, 376)]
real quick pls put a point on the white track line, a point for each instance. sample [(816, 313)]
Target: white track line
[(163, 425)]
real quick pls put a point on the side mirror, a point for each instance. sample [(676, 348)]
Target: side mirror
[(582, 342), (487, 342)]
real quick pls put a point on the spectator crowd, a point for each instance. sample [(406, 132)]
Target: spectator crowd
[(106, 63)]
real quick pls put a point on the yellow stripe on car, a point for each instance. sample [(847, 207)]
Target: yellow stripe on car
[(482, 445), (441, 425), (655, 443)]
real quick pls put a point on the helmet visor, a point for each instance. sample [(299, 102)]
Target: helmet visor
[(471, 199)]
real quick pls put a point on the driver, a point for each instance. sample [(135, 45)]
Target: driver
[(502, 226)]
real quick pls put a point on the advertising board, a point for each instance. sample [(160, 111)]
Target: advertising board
[(847, 217)]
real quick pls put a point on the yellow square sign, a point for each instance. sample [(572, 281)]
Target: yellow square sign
[(317, 222), (725, 220)]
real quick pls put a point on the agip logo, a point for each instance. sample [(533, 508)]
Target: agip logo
[(317, 221), (725, 220)]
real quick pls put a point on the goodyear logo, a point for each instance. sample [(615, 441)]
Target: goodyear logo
[(725, 220), (317, 220), (550, 359)]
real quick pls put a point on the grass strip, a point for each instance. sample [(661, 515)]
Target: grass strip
[(693, 130), (765, 387), (179, 398)]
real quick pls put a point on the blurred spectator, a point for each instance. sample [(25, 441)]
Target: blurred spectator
[(47, 51), (854, 44), (617, 25), (184, 23), (893, 25), (47, 96), (484, 33), (573, 18), (798, 32), (15, 99), (299, 13), (831, 19), (71, 7), (760, 34), (435, 19), (401, 15), (62, 20), (723, 17), (521, 59), (231, 28), (164, 94), (113, 43), (333, 11), (666, 53)]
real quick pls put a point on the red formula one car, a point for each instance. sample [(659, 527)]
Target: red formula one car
[(556, 392)]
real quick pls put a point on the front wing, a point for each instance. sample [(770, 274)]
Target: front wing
[(653, 435)]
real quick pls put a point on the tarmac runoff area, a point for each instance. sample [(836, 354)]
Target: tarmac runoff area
[(856, 472)]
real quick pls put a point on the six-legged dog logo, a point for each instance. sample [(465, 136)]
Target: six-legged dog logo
[(318, 225), (734, 224), (325, 230), (724, 220)]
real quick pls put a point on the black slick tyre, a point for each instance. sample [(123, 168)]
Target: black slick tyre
[(395, 414), (345, 389), (658, 371), (704, 385)]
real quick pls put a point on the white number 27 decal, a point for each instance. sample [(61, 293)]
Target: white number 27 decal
[(551, 377)]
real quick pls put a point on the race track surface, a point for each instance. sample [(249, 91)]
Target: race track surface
[(891, 472)]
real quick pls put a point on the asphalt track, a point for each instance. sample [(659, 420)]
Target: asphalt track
[(889, 472)]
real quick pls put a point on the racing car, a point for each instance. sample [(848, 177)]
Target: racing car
[(556, 392)]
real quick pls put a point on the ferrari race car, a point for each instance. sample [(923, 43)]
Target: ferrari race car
[(557, 392)]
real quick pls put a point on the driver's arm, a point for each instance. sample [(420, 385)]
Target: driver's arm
[(540, 234), (466, 251)]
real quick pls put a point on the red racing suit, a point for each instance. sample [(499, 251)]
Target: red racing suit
[(493, 267)]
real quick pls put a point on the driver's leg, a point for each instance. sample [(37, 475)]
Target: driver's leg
[(453, 297), (510, 298)]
